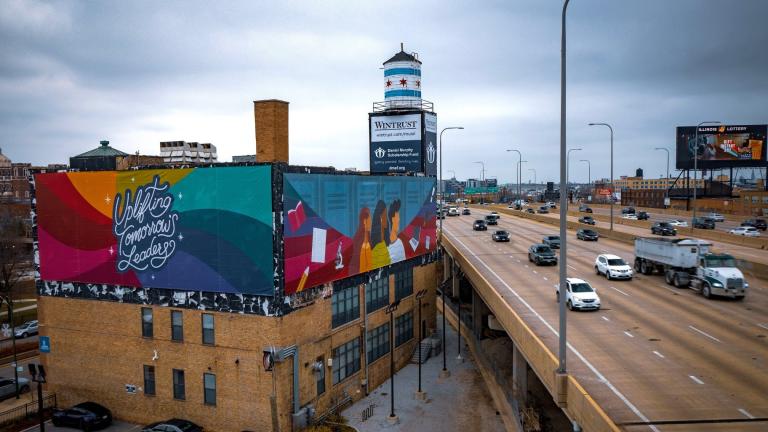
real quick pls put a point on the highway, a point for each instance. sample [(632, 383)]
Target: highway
[(655, 216), (653, 352)]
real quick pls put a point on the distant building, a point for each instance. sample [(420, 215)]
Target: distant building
[(136, 160), (244, 158), (625, 182), (101, 158), (183, 152)]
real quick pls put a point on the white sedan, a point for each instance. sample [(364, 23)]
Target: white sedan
[(679, 223), (746, 231), (717, 217), (630, 216)]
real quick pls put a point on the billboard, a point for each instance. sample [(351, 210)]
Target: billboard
[(430, 144), (205, 229), (396, 143), (336, 226), (721, 146)]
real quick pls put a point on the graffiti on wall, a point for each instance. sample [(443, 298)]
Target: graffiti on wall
[(192, 229), (336, 226)]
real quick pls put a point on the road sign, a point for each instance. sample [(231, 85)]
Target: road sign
[(45, 344)]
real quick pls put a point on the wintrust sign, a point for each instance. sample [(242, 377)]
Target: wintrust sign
[(430, 143), (396, 143)]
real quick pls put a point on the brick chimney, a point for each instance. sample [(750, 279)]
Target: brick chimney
[(271, 118)]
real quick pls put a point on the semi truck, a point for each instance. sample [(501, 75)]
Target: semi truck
[(687, 262)]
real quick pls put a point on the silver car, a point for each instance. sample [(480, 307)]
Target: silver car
[(27, 329), (8, 387)]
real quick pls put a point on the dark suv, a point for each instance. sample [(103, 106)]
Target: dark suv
[(585, 209), (641, 215), (703, 223), (542, 254), (663, 229), (587, 220), (757, 223), (552, 241), (480, 225), (587, 235), (500, 236), (628, 210), (491, 219)]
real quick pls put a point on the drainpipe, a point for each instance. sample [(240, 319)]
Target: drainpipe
[(280, 355)]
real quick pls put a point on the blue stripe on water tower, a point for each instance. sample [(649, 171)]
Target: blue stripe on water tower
[(408, 93), (402, 71)]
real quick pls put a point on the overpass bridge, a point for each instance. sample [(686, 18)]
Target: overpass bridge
[(653, 358)]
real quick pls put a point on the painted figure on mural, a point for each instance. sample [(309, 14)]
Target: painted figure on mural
[(396, 249), (379, 236), (361, 244)]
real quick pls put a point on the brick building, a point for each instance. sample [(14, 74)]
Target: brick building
[(193, 338)]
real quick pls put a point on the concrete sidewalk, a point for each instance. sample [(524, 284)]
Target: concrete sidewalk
[(460, 402)]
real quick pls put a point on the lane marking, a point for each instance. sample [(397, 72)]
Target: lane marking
[(659, 354), (605, 318), (705, 334), (526, 266), (620, 291), (545, 278), (763, 326), (578, 354), (629, 334), (746, 413), (696, 380), (571, 267), (535, 272)]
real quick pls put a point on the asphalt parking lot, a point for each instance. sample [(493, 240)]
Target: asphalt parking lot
[(116, 426)]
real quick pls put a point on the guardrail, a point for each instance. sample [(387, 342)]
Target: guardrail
[(26, 411)]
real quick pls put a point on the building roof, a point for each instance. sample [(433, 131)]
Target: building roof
[(4, 160), (402, 56), (103, 150)]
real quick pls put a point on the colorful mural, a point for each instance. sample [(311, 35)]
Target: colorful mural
[(337, 226), (205, 229)]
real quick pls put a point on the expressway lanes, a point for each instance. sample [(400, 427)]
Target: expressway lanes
[(730, 221), (642, 340)]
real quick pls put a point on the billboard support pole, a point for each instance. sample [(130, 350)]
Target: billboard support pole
[(695, 164)]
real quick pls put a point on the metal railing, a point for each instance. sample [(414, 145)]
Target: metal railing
[(27, 410), (403, 105)]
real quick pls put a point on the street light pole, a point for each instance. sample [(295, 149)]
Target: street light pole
[(563, 205), (482, 179), (390, 310), (666, 182), (589, 171), (695, 164), (568, 165), (612, 191), (38, 376), (519, 167)]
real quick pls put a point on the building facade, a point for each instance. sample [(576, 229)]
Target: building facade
[(183, 152)]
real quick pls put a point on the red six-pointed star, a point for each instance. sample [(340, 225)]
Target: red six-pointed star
[(389, 83), (403, 82)]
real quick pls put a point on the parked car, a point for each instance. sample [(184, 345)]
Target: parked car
[(579, 295), (492, 219), (29, 328), (8, 387), (628, 210), (500, 236), (585, 209), (757, 223), (703, 223), (630, 216), (465, 211), (678, 223), (479, 225), (86, 416), (663, 228), (530, 210), (746, 231), (716, 216), (172, 425), (540, 254), (613, 267), (587, 220), (552, 241), (543, 210), (587, 235), (641, 215)]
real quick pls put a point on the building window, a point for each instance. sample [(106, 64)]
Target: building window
[(177, 326), (345, 306), (320, 376), (147, 323), (403, 284), (178, 384), (377, 294), (346, 360), (403, 328), (208, 330), (209, 389), (149, 380), (378, 342)]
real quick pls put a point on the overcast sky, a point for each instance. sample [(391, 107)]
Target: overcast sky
[(137, 73)]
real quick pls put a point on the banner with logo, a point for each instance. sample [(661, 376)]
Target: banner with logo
[(338, 226), (396, 143), (721, 146), (430, 144), (203, 229)]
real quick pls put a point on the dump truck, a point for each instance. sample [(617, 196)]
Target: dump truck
[(687, 262)]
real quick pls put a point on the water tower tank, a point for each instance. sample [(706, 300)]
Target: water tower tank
[(639, 172), (402, 81)]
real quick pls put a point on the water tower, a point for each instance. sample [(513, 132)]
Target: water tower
[(403, 128)]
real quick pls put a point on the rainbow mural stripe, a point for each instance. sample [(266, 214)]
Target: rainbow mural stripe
[(336, 226), (203, 229)]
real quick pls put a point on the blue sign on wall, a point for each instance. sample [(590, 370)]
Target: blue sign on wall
[(45, 344)]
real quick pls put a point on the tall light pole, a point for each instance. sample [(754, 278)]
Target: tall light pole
[(519, 167), (440, 238), (563, 205), (568, 165), (589, 171), (534, 175), (695, 164), (482, 179), (611, 128), (666, 182)]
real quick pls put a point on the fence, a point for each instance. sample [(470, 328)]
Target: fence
[(27, 410)]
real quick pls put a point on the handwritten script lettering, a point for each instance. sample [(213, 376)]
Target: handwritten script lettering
[(145, 227)]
